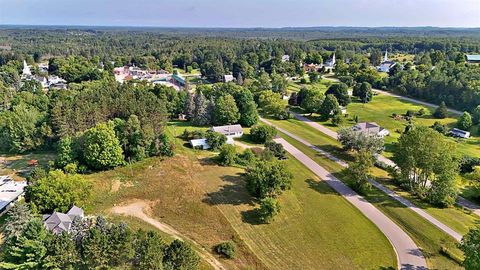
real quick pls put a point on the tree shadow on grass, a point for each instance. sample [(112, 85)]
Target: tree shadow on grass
[(320, 187), (233, 192), (252, 217)]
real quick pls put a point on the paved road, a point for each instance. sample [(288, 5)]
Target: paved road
[(386, 190), (409, 255)]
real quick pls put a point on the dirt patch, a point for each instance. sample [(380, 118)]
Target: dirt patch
[(141, 210), (117, 184)]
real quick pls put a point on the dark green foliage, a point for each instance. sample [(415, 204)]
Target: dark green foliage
[(246, 158), (358, 172), (179, 255), (65, 152), (227, 249), (61, 252), (215, 140), (149, 251), (262, 133), (476, 115), (57, 192), (227, 155), (247, 108), (329, 108), (363, 91), (441, 111), (340, 91), (276, 148), (267, 179), (443, 129), (470, 247), (200, 113), (467, 164), (269, 208)]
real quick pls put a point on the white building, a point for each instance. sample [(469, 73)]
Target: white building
[(228, 78), (233, 131), (330, 63), (285, 58), (371, 128), (200, 144), (386, 65), (460, 133), (26, 69), (10, 191)]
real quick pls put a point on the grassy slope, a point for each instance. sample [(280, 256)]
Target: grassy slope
[(425, 234), (316, 227)]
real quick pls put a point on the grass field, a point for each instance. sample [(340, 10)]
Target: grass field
[(316, 229), (426, 235), (380, 110)]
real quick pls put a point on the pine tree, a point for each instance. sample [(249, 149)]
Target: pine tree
[(441, 111), (200, 113), (189, 106), (239, 78)]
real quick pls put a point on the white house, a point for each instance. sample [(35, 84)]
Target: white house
[(200, 144), (285, 58), (233, 131), (371, 128), (460, 133), (10, 191), (330, 63), (60, 222), (228, 78)]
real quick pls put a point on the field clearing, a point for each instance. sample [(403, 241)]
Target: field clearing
[(425, 234), (208, 203), (17, 165), (380, 110)]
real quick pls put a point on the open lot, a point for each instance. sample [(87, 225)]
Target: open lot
[(316, 228)]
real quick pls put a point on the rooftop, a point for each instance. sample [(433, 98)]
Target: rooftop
[(10, 191), (228, 129), (473, 57)]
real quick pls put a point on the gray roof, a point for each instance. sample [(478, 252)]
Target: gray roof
[(228, 129), (473, 57), (60, 222), (368, 127)]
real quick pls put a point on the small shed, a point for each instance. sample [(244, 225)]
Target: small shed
[(199, 144), (456, 132)]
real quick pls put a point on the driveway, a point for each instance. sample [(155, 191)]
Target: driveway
[(409, 255)]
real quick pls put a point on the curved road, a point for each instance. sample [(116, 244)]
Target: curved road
[(409, 256), (383, 159)]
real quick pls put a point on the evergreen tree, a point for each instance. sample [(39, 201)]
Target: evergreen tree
[(226, 111), (149, 251), (200, 112), (189, 106), (441, 111), (239, 79), (179, 255), (329, 107)]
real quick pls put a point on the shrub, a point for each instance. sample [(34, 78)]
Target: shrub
[(215, 139), (262, 133), (246, 158), (227, 249), (276, 149), (269, 208), (227, 155)]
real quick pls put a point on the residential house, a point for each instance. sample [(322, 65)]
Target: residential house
[(285, 58), (311, 67), (60, 222), (10, 191), (228, 78), (455, 132), (233, 131), (371, 129)]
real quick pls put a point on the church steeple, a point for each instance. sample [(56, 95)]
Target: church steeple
[(26, 69), (385, 59)]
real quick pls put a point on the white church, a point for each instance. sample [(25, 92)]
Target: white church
[(386, 65)]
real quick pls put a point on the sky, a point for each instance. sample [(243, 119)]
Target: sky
[(242, 13)]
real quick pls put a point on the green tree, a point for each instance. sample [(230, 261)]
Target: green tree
[(269, 208), (441, 111), (215, 140), (471, 248), (149, 250), (271, 103), (312, 101), (267, 179), (189, 107), (476, 115), (28, 250), (340, 91), (61, 252), (276, 148), (65, 152), (101, 148), (329, 107), (226, 111), (200, 113), (425, 156), (363, 91), (247, 108), (358, 141), (262, 133), (465, 121), (57, 192), (179, 255), (227, 249), (358, 172), (314, 76), (227, 155)]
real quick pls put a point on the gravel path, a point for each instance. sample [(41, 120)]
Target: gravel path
[(137, 209), (409, 255)]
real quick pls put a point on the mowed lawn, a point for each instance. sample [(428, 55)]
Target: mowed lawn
[(316, 229), (425, 234), (380, 110)]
